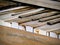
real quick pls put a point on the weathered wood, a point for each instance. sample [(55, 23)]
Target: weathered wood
[(34, 24), (43, 3), (11, 36), (22, 10), (6, 3), (49, 18), (12, 9), (32, 12), (49, 28), (54, 21)]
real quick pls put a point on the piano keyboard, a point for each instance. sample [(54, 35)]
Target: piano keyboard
[(32, 16)]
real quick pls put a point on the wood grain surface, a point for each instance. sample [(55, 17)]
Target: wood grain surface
[(11, 36)]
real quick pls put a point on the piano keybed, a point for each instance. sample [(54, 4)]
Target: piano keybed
[(32, 16)]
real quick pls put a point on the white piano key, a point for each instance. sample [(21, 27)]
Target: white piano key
[(31, 12), (13, 8)]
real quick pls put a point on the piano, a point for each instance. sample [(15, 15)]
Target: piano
[(38, 14)]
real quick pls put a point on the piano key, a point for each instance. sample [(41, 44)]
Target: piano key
[(50, 28), (31, 12), (49, 18), (54, 21), (22, 9), (13, 8)]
